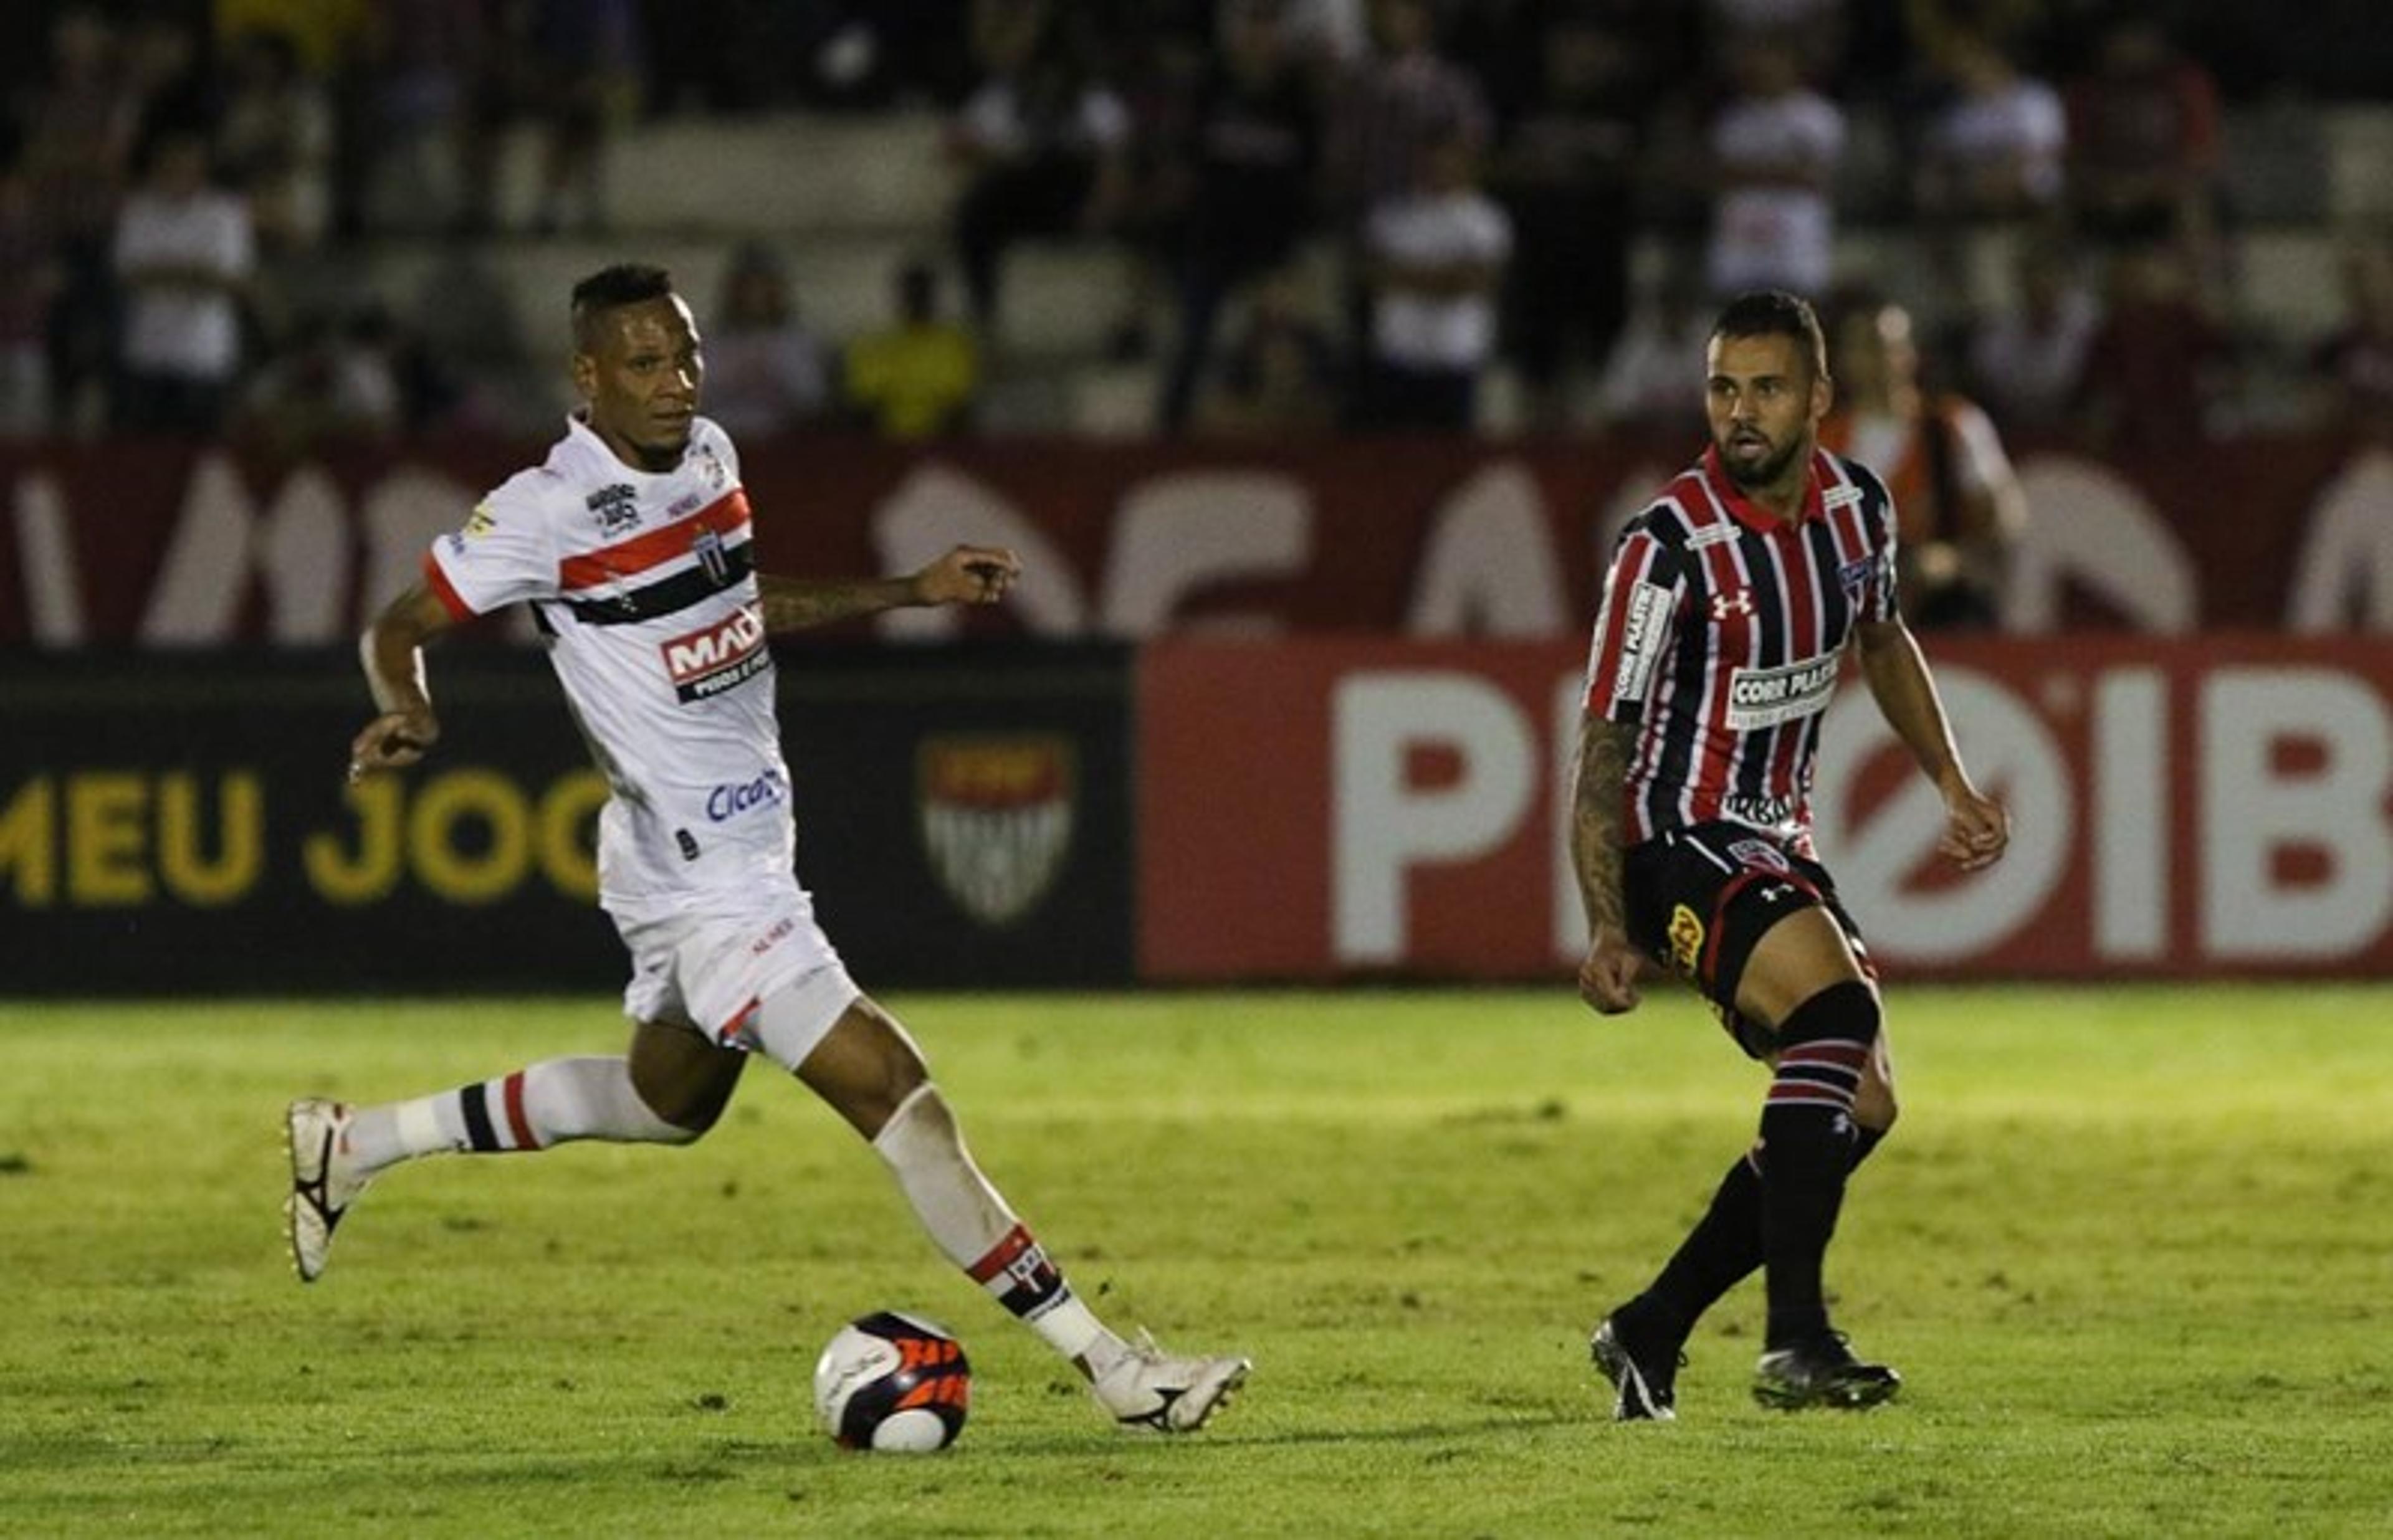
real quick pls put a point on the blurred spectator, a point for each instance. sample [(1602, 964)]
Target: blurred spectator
[(415, 146), (1329, 35), (1280, 378), (1434, 258), (80, 131), (1042, 142), (274, 142), (184, 255), (166, 72), (1961, 509), (2027, 358), (1389, 107), (920, 377), (1653, 378), (1811, 32), (1567, 175), (464, 365), (2155, 371), (1395, 102), (321, 33), (29, 281), (2357, 360), (2143, 142), (765, 372), (1997, 147), (336, 384), (1253, 153), (1775, 146), (586, 83)]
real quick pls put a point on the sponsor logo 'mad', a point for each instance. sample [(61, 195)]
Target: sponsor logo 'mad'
[(705, 662)]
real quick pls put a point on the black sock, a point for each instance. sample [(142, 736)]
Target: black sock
[(1807, 1139), (1724, 1248), (1802, 1187)]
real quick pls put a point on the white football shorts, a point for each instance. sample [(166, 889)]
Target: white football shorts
[(714, 968)]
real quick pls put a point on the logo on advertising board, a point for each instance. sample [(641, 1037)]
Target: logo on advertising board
[(714, 659), (997, 816)]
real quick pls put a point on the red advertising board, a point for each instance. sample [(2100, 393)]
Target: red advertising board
[(1343, 808), (177, 545)]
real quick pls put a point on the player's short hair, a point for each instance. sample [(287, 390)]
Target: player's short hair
[(611, 289), (1776, 313)]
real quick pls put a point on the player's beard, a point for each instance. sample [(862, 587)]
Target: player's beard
[(1752, 476)]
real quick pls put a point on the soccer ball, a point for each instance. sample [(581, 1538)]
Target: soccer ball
[(894, 1382)]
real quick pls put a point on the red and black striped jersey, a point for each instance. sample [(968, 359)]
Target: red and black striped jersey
[(1720, 634)]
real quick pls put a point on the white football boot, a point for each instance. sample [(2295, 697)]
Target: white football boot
[(323, 1181), (1148, 1388)]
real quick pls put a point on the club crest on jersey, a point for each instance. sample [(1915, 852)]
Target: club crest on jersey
[(1726, 605), (618, 508), (707, 546), (707, 662), (1854, 576), (1757, 853), (996, 815)]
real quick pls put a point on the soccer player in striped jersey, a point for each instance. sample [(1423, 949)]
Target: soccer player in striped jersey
[(632, 546), (1728, 609)]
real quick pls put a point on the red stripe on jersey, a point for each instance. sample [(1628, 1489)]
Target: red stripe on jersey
[(445, 590), (517, 1123), (1800, 576), (726, 515), (1713, 773)]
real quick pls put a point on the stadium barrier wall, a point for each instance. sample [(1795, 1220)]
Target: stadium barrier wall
[(180, 823), (163, 545), (1336, 809)]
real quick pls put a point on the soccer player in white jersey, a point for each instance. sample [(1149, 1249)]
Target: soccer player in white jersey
[(631, 544)]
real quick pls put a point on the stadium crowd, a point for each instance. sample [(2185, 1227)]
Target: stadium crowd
[(184, 187)]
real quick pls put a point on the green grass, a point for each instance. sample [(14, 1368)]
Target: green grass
[(2130, 1249)]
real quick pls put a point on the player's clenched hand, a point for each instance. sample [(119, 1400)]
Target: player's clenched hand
[(968, 575), (1607, 979), (392, 740), (1976, 828)]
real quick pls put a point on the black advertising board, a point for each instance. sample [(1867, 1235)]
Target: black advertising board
[(180, 823)]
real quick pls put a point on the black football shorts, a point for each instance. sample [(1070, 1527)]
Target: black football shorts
[(1701, 898)]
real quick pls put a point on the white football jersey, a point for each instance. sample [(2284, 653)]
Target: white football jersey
[(644, 586)]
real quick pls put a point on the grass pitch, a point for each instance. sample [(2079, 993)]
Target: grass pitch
[(2130, 1249)]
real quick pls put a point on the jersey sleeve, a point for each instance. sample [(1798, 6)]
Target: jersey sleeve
[(1881, 599), (1642, 593), (505, 554)]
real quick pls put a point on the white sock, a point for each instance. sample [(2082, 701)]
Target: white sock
[(972, 1226), (554, 1102)]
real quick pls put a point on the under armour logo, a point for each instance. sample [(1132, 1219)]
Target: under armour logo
[(1726, 605)]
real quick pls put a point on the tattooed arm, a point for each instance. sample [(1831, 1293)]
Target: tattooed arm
[(1607, 979), (967, 575)]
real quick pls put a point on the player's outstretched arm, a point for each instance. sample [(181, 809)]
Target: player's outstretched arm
[(967, 575), (392, 651), (1976, 827), (1607, 979)]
